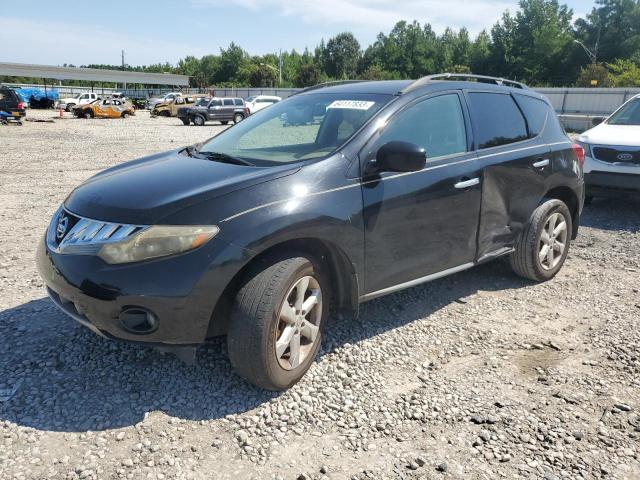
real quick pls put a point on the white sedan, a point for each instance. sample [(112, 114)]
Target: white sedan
[(612, 162)]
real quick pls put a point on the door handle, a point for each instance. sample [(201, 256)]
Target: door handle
[(467, 183), (541, 163)]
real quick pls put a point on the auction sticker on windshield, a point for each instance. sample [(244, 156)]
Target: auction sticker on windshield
[(352, 104)]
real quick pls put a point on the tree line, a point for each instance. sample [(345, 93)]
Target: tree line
[(540, 44)]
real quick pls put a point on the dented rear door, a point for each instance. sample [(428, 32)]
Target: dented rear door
[(514, 170)]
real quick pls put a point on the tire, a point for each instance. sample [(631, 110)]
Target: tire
[(70, 107), (185, 121), (88, 115), (124, 115), (165, 113), (525, 260), (238, 117), (257, 322), (198, 120), (224, 122)]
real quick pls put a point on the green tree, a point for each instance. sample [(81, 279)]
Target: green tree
[(594, 72), (480, 53), (232, 60), (309, 74), (262, 76), (342, 55), (625, 73)]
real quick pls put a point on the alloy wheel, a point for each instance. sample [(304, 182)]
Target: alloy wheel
[(553, 241), (298, 323)]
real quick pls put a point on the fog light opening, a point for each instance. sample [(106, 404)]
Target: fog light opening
[(138, 320)]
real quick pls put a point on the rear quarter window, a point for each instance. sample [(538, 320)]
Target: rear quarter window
[(496, 119), (536, 112), (239, 102)]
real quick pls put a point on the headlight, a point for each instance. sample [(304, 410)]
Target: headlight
[(586, 147), (158, 241)]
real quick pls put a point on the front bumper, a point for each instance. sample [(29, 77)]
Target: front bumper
[(598, 182), (180, 291)]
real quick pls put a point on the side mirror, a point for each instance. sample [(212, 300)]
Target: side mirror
[(400, 157), (597, 121)]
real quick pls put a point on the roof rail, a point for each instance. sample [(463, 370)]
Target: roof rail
[(327, 84), (467, 76)]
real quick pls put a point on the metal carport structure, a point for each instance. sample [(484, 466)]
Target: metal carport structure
[(91, 74)]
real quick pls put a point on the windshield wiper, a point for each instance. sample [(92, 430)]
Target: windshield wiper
[(224, 158)]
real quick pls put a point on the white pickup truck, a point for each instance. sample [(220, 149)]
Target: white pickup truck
[(80, 99)]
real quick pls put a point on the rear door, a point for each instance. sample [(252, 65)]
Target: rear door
[(227, 109), (515, 164), (422, 223)]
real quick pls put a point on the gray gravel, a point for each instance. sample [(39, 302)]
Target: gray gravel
[(479, 375)]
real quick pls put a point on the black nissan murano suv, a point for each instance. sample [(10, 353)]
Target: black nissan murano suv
[(340, 194)]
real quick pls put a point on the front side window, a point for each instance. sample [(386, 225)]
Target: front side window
[(627, 115), (435, 124), (215, 103), (304, 127), (497, 119)]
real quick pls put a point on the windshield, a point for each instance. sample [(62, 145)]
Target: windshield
[(303, 127), (202, 101), (627, 115)]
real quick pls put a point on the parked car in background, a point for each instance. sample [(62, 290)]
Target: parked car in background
[(80, 99), (11, 105), (152, 102), (265, 230), (107, 108), (171, 107), (223, 110), (258, 102), (612, 165)]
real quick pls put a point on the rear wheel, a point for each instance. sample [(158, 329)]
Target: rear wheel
[(88, 114), (224, 122), (198, 120), (277, 319), (238, 117), (544, 244), (70, 107), (124, 114)]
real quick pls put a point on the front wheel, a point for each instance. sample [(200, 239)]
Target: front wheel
[(543, 245), (277, 319), (198, 120), (88, 115), (185, 121)]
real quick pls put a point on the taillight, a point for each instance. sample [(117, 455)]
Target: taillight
[(579, 151), (20, 105), (246, 110)]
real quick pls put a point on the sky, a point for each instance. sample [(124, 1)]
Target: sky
[(151, 31)]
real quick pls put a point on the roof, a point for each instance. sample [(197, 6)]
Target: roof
[(91, 74), (393, 87)]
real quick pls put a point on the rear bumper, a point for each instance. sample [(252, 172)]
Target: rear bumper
[(611, 183), (181, 291)]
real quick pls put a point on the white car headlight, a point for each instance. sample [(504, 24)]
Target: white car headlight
[(158, 241)]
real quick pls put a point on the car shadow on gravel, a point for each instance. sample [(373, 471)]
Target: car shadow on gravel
[(56, 375), (613, 214)]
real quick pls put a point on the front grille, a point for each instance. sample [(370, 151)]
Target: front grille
[(617, 154), (69, 233)]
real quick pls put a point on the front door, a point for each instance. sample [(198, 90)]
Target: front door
[(214, 112), (422, 223)]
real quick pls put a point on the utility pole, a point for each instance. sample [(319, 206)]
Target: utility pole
[(125, 85), (280, 69)]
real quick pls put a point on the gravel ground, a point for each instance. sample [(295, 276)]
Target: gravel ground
[(478, 375)]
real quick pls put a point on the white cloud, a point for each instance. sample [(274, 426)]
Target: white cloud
[(54, 43), (381, 15)]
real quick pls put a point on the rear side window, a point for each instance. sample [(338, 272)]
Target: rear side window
[(436, 124), (536, 112), (238, 101), (228, 101), (497, 119)]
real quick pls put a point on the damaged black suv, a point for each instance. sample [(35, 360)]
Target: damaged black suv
[(337, 195)]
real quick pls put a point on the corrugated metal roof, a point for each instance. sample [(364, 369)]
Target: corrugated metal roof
[(91, 74)]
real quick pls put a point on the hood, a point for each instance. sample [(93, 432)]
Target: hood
[(605, 134), (145, 191)]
